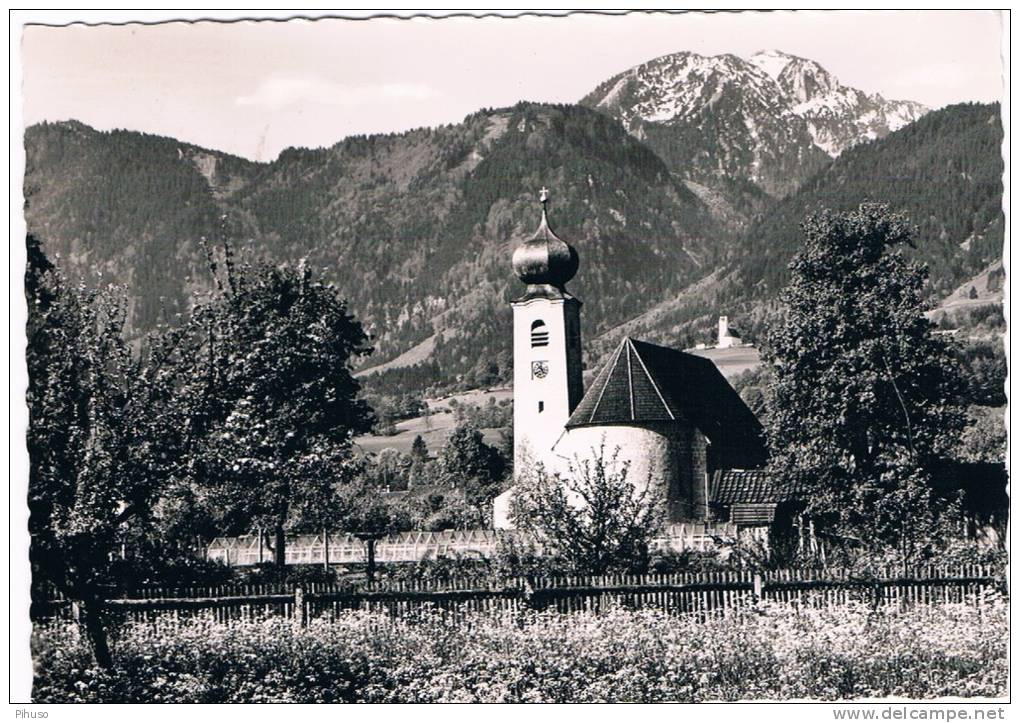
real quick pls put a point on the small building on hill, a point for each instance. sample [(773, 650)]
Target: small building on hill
[(727, 337), (671, 415)]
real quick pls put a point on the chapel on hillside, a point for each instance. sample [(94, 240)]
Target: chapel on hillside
[(672, 415)]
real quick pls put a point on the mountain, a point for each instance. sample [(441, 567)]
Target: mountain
[(773, 120), (944, 171), (127, 206), (713, 117), (415, 229), (838, 117)]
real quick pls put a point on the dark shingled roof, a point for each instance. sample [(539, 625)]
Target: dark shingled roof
[(756, 486), (648, 383)]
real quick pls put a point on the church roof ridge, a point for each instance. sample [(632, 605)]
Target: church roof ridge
[(644, 383)]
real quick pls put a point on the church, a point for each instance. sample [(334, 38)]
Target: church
[(672, 415)]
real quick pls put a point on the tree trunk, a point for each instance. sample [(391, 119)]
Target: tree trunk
[(92, 618), (279, 548), (370, 568)]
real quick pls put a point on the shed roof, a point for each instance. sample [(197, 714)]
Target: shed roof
[(645, 382), (757, 486)]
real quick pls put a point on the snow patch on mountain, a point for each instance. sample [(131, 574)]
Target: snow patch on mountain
[(772, 118), (613, 96), (772, 62), (839, 116)]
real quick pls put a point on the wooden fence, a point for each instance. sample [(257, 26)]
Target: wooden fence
[(681, 593)]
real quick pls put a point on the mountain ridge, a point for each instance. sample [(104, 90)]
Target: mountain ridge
[(767, 119), (415, 229)]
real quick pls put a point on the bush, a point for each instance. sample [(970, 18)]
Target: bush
[(767, 652)]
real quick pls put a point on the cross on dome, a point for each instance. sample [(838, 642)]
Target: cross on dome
[(545, 262)]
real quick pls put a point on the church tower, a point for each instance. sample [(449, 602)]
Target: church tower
[(547, 345)]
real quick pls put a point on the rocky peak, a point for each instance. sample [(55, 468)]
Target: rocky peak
[(804, 80), (770, 119)]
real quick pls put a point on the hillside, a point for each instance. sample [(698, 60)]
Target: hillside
[(944, 171), (133, 223), (416, 229), (980, 290)]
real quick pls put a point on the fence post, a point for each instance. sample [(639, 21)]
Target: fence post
[(757, 586), (76, 618), (300, 616)]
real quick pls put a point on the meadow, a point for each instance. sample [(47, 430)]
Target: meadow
[(764, 652)]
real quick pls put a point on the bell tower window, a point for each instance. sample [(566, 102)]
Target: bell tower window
[(539, 334)]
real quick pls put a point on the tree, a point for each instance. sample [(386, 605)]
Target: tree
[(279, 404), (467, 463), (750, 385), (594, 517), (436, 509), (359, 507), (389, 469), (984, 439), (986, 371), (862, 393), (419, 450), (106, 433)]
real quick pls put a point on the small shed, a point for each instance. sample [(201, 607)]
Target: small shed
[(756, 497)]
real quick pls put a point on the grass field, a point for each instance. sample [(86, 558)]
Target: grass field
[(731, 361), (436, 427), (769, 652), (960, 298)]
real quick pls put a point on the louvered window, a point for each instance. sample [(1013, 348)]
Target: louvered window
[(539, 333)]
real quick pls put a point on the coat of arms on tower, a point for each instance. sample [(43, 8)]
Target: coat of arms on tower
[(539, 369)]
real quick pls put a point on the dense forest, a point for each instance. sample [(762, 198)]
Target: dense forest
[(416, 229), (944, 171)]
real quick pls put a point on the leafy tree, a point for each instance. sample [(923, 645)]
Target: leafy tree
[(467, 463), (861, 393), (750, 385), (984, 439), (594, 517), (389, 469), (105, 434), (360, 507), (986, 373), (436, 508), (279, 403)]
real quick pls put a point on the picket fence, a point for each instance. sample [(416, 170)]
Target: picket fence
[(681, 593)]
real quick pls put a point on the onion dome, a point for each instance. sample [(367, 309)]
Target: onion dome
[(545, 262)]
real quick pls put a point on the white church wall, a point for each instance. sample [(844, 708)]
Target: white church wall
[(670, 456), (501, 510)]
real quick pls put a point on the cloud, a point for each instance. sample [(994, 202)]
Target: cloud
[(280, 91)]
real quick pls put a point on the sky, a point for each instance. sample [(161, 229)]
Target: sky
[(255, 88)]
